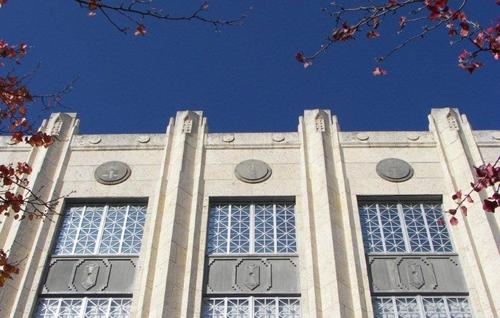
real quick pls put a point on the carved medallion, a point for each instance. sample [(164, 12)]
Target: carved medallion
[(90, 273), (112, 172), (253, 276), (252, 171), (394, 170)]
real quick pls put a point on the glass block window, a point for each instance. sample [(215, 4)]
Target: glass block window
[(83, 308), (422, 307), (251, 228), (104, 229), (404, 227), (251, 307)]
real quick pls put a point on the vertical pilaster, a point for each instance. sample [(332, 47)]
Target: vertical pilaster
[(25, 239), (475, 236), (326, 195), (176, 205)]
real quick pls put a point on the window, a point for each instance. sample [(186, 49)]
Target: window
[(93, 235), (101, 230), (404, 227), (422, 307), (250, 307), (83, 307), (247, 228)]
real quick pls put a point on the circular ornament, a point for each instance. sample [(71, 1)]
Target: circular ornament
[(394, 170), (413, 136), (95, 140), (362, 136), (228, 138), (143, 139), (253, 171), (278, 137), (112, 172)]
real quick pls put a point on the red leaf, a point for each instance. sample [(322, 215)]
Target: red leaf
[(464, 31), (402, 22), (452, 211), (440, 221), (489, 206), (299, 57), (453, 221), (378, 71), (372, 35), (457, 196), (469, 199), (140, 30)]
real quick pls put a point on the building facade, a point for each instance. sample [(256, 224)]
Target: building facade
[(313, 223)]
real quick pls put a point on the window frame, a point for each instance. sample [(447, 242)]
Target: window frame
[(420, 304), (251, 303), (84, 301), (399, 201), (230, 202), (105, 205)]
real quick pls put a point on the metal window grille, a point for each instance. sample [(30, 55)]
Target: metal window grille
[(83, 307), (422, 307), (406, 227), (248, 228), (101, 229), (250, 307)]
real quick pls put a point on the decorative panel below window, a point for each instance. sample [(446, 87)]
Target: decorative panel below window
[(422, 307), (251, 307), (83, 308)]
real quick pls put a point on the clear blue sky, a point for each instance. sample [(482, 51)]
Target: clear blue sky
[(244, 78)]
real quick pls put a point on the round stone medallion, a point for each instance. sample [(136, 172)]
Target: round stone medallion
[(394, 170), (252, 171), (112, 172)]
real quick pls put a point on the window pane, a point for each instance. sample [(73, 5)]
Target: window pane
[(437, 228), (416, 228), (117, 229), (404, 227), (83, 308), (263, 307), (264, 228), (218, 229), (240, 229), (251, 228), (238, 308), (391, 228), (134, 229), (372, 234), (418, 306), (113, 228), (285, 228)]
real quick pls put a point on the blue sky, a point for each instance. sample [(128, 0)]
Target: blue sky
[(244, 78)]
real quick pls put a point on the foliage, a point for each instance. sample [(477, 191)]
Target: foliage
[(424, 15), (488, 177)]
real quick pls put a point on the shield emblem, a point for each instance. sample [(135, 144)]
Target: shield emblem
[(253, 276), (90, 273)]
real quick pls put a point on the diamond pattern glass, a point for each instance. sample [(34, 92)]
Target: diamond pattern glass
[(394, 227), (101, 229), (251, 307), (420, 307), (83, 308), (251, 228)]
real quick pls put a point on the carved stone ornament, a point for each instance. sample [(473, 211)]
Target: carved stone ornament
[(90, 273), (415, 275), (252, 279), (252, 171), (112, 172), (394, 170)]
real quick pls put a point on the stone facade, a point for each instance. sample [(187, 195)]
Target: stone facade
[(323, 172)]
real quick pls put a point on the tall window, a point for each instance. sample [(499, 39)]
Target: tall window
[(252, 249), (93, 235), (413, 227), (406, 227), (251, 228)]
